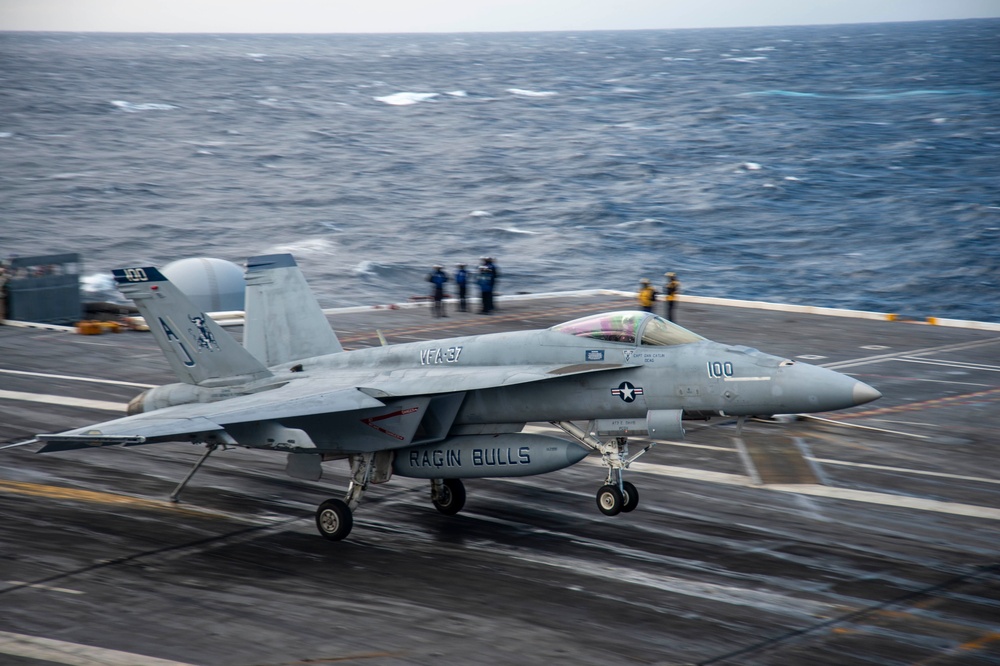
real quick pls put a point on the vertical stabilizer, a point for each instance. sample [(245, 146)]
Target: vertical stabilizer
[(283, 319), (196, 347)]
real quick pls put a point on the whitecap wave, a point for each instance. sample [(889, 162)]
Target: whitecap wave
[(366, 267), (457, 93), (100, 287), (636, 223), (130, 107), (306, 246), (520, 92), (781, 93), (480, 213), (515, 230), (405, 98)]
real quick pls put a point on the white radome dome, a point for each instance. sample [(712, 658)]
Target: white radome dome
[(214, 285)]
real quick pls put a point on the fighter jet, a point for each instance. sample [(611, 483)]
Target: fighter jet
[(443, 410)]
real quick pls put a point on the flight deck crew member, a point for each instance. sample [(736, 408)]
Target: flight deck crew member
[(496, 278), (4, 279), (438, 278), (647, 295), (672, 289), (486, 280), (461, 279)]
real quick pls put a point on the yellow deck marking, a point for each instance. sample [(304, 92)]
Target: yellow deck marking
[(75, 494)]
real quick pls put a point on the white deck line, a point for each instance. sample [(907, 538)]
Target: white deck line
[(63, 400), (865, 496), (73, 654)]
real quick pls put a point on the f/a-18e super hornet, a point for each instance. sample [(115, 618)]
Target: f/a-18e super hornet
[(442, 410)]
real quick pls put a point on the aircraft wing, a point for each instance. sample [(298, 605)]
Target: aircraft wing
[(299, 398), (321, 394)]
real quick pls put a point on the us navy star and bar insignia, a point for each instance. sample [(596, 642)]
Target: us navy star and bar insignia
[(627, 391)]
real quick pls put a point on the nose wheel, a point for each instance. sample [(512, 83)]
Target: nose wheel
[(631, 497), (613, 499), (610, 500)]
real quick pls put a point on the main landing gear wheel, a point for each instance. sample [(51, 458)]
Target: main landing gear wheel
[(450, 497), (610, 500), (334, 519), (631, 495)]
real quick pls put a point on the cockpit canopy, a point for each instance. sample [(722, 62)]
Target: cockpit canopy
[(628, 327)]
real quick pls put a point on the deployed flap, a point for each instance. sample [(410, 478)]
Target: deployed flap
[(129, 430), (196, 347), (283, 319)]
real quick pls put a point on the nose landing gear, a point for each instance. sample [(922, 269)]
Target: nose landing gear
[(616, 495)]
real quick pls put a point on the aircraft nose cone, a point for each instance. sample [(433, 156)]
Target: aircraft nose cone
[(863, 393)]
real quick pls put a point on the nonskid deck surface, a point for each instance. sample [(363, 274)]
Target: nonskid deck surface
[(866, 536)]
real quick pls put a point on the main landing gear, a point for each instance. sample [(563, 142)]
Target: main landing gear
[(448, 495), (335, 517), (616, 495)]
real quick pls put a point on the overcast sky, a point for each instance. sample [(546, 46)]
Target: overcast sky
[(331, 16)]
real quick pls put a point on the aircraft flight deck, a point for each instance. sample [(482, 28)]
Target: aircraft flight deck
[(866, 535)]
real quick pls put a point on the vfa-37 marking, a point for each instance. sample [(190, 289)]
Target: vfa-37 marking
[(440, 355), (445, 411)]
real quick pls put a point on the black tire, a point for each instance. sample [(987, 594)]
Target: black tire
[(631, 497), (334, 519), (452, 497), (610, 500)]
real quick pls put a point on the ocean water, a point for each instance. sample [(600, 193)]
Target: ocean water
[(852, 166)]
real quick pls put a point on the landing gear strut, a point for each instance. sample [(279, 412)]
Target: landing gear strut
[(335, 517), (616, 495)]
